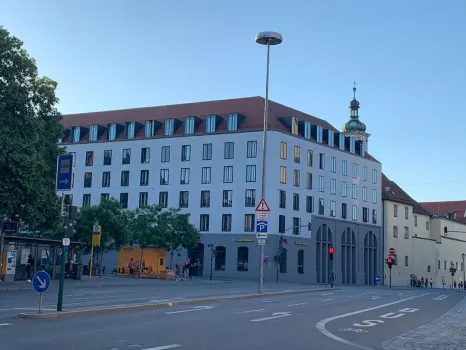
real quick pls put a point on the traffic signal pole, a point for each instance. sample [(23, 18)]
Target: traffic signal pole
[(63, 256), (331, 273)]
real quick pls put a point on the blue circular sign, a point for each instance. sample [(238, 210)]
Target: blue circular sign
[(41, 281), (378, 279)]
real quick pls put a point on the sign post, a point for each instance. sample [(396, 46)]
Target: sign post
[(40, 283), (262, 213), (96, 235), (378, 279)]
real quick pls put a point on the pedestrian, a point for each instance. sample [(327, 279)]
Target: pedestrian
[(431, 282), (131, 267), (426, 282), (29, 264)]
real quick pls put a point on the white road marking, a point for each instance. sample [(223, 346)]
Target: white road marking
[(165, 347), (297, 304), (321, 324), (375, 297), (441, 297), (274, 316), (327, 293), (5, 324), (328, 299), (249, 311), (197, 308)]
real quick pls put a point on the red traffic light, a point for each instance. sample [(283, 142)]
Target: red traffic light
[(389, 261), (331, 250)]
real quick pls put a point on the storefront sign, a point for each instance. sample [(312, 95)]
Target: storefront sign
[(243, 240), (301, 243)]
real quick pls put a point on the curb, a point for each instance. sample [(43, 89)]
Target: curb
[(63, 314)]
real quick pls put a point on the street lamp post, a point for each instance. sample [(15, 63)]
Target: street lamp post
[(265, 38), (464, 280)]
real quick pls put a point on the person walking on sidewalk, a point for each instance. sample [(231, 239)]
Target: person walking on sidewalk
[(431, 282), (131, 268), (29, 264)]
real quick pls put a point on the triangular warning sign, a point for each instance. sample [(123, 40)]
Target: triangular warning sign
[(262, 206)]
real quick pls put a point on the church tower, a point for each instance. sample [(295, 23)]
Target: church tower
[(354, 127)]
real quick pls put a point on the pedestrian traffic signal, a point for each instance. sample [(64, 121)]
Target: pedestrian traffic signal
[(445, 231), (389, 262), (331, 251)]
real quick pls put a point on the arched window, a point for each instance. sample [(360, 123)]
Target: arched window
[(348, 257), (324, 239), (300, 262), (243, 258), (220, 258), (370, 258)]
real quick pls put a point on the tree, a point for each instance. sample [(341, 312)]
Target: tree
[(114, 222), (30, 129)]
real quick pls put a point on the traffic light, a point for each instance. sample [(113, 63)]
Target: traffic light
[(331, 251), (445, 231), (309, 226), (389, 262)]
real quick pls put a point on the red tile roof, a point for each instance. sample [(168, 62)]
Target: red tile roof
[(446, 207)]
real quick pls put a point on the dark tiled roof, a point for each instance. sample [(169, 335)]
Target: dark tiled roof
[(446, 207), (392, 192)]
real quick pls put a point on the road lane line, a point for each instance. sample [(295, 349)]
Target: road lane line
[(196, 308), (274, 316), (327, 293), (165, 347), (249, 311), (328, 299), (297, 304), (5, 324), (321, 324)]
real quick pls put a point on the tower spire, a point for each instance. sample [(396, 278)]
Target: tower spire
[(354, 89)]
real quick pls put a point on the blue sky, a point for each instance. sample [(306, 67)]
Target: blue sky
[(408, 58)]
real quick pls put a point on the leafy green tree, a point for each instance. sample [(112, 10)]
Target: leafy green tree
[(30, 129)]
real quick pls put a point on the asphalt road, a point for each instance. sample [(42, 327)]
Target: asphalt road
[(328, 320)]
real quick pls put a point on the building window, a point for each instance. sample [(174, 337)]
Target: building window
[(169, 127), (309, 157), (374, 176), (333, 186), (251, 151), (428, 267), (354, 191), (184, 199), (281, 224), (165, 154), (344, 167), (374, 196), (89, 158), (204, 223), (352, 145), (129, 130), (309, 181), (321, 183), (365, 214), (93, 132), (406, 232), (297, 154), (145, 155), (149, 128), (220, 258), (232, 122), (87, 179), (355, 171), (364, 173), (189, 124), (333, 208), (309, 204), (227, 198), (207, 151), (76, 134), (282, 199), (307, 130), (294, 125), (205, 199), (296, 226), (406, 212), (415, 220), (104, 196), (163, 199), (250, 198), (125, 178), (210, 124), (427, 225), (250, 173), (296, 176), (229, 150), (320, 134), (124, 200), (143, 196), (333, 165), (321, 161), (344, 189), (395, 231), (364, 194), (344, 210), (107, 157), (374, 216), (228, 174), (283, 150), (438, 265), (226, 222), (296, 201), (164, 176), (86, 199), (111, 133), (106, 179), (242, 259), (355, 213), (184, 176), (406, 260), (321, 206), (395, 210), (185, 153), (126, 157), (300, 262), (282, 174), (206, 178), (249, 222)]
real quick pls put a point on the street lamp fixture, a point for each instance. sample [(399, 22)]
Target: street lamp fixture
[(268, 39)]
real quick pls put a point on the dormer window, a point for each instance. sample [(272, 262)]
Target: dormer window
[(111, 133), (76, 134), (149, 129), (341, 142), (294, 125), (232, 122), (320, 134), (331, 138), (93, 132), (210, 124), (189, 124), (129, 130), (307, 130), (363, 149), (352, 145), (169, 127)]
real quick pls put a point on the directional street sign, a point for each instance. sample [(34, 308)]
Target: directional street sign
[(263, 206), (378, 279), (41, 281), (261, 226), (262, 235), (261, 241), (64, 172)]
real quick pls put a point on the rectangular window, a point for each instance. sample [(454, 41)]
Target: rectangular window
[(344, 189), (86, 199), (126, 157), (415, 220), (125, 178), (149, 128), (111, 134), (395, 231), (205, 199), (163, 199), (355, 213), (76, 134), (283, 150), (169, 127), (296, 177), (427, 225), (184, 176), (309, 181), (250, 173), (374, 216), (310, 157), (406, 260), (226, 222), (374, 196), (143, 197), (185, 153), (206, 175), (344, 210), (364, 173), (93, 132), (184, 199), (164, 176), (321, 183), (281, 224), (406, 232), (189, 124), (364, 193), (333, 208), (106, 179), (307, 130), (104, 196), (294, 125), (250, 198), (395, 210), (355, 171), (124, 200), (107, 157), (321, 161), (251, 151), (207, 151), (354, 191), (87, 179), (228, 174), (145, 155), (320, 134), (374, 176), (232, 121), (129, 130), (406, 212), (352, 144), (144, 178), (165, 154), (365, 214), (297, 154), (204, 223), (282, 174), (300, 262), (227, 198), (249, 222), (210, 124), (344, 167), (282, 199), (229, 150), (333, 165), (296, 201), (333, 186), (296, 226), (321, 206), (309, 204), (89, 158)]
